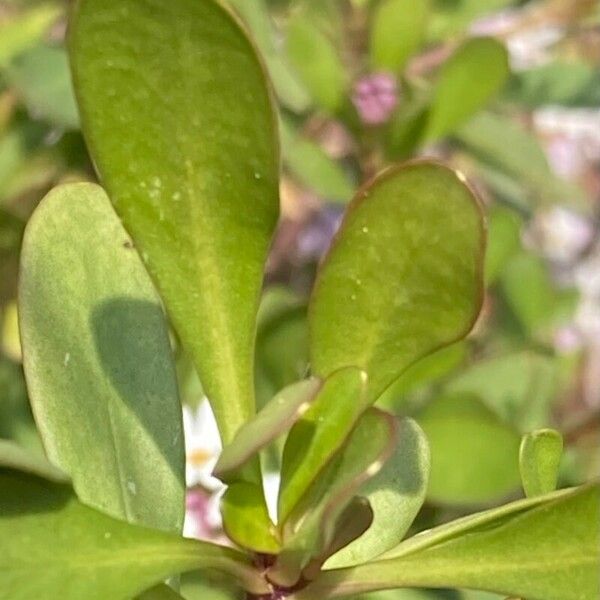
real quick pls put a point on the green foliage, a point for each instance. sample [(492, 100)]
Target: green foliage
[(155, 283), (52, 546), (460, 90), (202, 220), (100, 373), (539, 460), (397, 31), (459, 430), (384, 297), (545, 548), (317, 62)]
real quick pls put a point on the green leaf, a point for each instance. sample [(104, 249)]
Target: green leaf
[(52, 546), (160, 592), (98, 360), (474, 455), (193, 173), (525, 386), (467, 81), (290, 90), (542, 548), (397, 31), (275, 418), (314, 169), (539, 460), (19, 34), (515, 152), (504, 240), (573, 84), (423, 374), (13, 456), (538, 305), (403, 277), (281, 342), (41, 76), (317, 62), (246, 519), (395, 495), (319, 434), (312, 527)]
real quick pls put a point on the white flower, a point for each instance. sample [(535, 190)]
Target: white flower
[(202, 446)]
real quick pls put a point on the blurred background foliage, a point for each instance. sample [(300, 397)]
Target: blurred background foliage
[(506, 91)]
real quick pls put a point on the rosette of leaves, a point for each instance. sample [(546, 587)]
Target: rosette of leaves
[(179, 120)]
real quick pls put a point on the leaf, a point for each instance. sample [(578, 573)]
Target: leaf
[(397, 31), (539, 460), (274, 419), (538, 305), (52, 546), (317, 62), (403, 276), (423, 374), (312, 527), (544, 548), (160, 592), (41, 76), (98, 361), (395, 495), (319, 434), (21, 33), (474, 455), (193, 173), (504, 241), (525, 386), (515, 152), (290, 90), (14, 457), (467, 81), (281, 342), (314, 169), (573, 84), (246, 519)]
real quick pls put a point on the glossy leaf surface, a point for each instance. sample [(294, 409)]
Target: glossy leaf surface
[(246, 519), (545, 549), (403, 277), (312, 527), (98, 360), (397, 31), (193, 172), (395, 494), (539, 460), (273, 420), (319, 434), (474, 455), (467, 81), (52, 546)]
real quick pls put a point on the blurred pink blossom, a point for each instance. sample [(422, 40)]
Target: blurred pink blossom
[(375, 97)]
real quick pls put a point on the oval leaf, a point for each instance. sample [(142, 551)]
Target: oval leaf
[(539, 460), (52, 546), (178, 117), (546, 550), (397, 32), (395, 494), (467, 81), (98, 361), (474, 455), (403, 276)]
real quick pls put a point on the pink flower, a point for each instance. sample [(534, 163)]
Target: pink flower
[(376, 97)]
